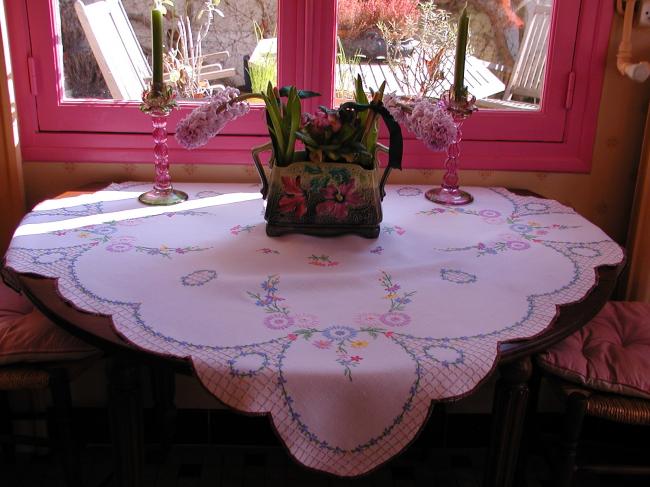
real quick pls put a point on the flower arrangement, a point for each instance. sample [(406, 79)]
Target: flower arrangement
[(324, 177), (346, 134)]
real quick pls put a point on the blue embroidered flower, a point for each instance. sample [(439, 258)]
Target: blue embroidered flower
[(521, 228), (339, 333), (104, 230)]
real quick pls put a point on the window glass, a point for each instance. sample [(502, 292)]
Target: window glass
[(411, 45), (207, 43)]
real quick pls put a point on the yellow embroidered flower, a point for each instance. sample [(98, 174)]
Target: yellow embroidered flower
[(390, 296), (163, 248), (359, 344), (83, 235)]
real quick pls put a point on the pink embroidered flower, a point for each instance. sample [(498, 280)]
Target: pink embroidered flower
[(123, 244), (368, 319), (356, 358), (395, 318), (293, 197), (292, 336), (305, 320), (518, 245), (323, 344), (209, 119), (338, 200), (278, 321)]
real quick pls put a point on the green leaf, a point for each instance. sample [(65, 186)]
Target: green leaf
[(306, 139), (276, 121), (293, 112)]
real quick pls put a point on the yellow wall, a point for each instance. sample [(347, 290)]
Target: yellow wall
[(604, 196)]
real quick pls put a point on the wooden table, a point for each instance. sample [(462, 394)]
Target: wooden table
[(510, 402)]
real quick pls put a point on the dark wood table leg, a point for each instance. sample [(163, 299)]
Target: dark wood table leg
[(6, 429), (125, 410), (573, 419), (508, 416), (62, 421), (531, 434), (163, 383)]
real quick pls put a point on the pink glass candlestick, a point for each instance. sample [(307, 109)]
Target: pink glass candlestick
[(449, 193), (162, 193)]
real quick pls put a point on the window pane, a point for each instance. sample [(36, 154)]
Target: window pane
[(411, 45), (208, 43)]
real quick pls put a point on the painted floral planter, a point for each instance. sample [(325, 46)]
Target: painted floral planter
[(323, 199)]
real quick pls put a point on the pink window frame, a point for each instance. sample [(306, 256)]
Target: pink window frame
[(557, 138)]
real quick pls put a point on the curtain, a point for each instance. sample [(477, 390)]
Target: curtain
[(638, 282), (11, 181)]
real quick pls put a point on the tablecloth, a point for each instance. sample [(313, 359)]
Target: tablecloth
[(344, 341)]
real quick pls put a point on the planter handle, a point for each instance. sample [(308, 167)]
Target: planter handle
[(387, 170), (260, 169)]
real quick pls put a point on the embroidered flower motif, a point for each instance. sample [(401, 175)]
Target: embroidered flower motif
[(103, 230), (518, 245), (305, 320), (377, 250), (339, 333), (123, 244), (398, 230), (237, 229), (338, 200), (395, 318), (278, 321), (359, 344), (321, 261), (356, 358), (494, 221), (292, 336), (368, 319), (323, 344), (409, 191), (489, 213), (520, 228), (293, 198)]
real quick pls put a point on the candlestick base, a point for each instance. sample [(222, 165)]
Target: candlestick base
[(449, 196), (170, 196)]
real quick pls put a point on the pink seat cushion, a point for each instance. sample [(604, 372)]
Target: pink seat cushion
[(28, 336), (611, 353)]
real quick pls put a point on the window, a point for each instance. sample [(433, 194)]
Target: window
[(551, 128)]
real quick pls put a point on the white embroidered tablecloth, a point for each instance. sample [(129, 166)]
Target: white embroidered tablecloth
[(344, 341)]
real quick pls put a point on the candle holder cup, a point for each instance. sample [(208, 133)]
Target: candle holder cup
[(449, 192)]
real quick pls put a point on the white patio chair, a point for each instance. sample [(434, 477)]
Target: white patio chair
[(527, 78), (119, 54)]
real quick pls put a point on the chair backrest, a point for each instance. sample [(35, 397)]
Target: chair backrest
[(527, 77), (115, 47)]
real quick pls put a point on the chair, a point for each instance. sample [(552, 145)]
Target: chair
[(527, 76), (119, 54), (35, 355), (602, 370)]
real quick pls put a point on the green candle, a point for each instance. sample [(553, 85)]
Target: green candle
[(461, 48), (157, 48)]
